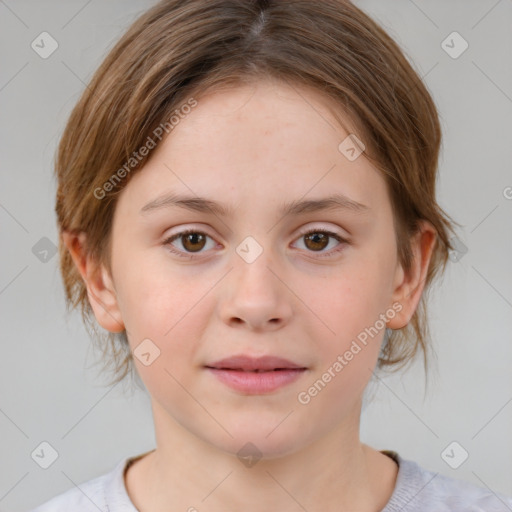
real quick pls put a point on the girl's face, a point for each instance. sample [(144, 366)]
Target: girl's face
[(250, 282)]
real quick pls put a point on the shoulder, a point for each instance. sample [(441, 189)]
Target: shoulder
[(420, 490), (88, 496), (92, 496)]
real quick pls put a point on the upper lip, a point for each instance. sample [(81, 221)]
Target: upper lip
[(243, 362)]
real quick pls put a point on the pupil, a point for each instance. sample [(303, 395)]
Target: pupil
[(319, 240), (192, 239)]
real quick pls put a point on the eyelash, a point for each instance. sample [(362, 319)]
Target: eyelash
[(191, 256)]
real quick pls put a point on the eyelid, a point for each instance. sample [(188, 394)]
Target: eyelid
[(185, 230), (175, 236), (333, 230), (302, 231), (332, 233)]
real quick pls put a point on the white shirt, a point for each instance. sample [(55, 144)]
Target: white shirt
[(416, 490)]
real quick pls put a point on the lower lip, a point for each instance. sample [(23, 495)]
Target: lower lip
[(257, 382)]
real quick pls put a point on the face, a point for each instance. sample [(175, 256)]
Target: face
[(307, 285)]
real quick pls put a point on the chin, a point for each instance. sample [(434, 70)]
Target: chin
[(257, 443)]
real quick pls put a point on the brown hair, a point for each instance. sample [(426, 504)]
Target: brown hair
[(182, 47)]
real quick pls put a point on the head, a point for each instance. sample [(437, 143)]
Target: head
[(254, 106)]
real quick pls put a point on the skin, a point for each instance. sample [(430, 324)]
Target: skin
[(251, 149)]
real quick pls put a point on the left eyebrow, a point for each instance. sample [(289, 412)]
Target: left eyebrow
[(332, 202), (203, 205)]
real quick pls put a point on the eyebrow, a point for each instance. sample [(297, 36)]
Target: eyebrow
[(203, 205)]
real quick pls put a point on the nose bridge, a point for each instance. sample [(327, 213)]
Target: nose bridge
[(255, 295), (254, 260)]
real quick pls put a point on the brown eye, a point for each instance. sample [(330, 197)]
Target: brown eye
[(193, 242), (316, 241)]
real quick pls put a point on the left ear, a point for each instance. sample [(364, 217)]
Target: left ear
[(408, 286)]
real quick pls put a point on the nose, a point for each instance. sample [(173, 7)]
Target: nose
[(255, 296)]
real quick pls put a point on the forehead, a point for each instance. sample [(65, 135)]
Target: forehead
[(258, 144)]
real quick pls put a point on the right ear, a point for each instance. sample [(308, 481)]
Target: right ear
[(100, 287)]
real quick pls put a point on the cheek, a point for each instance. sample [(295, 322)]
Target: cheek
[(348, 349), (153, 293), (347, 309), (350, 298), (171, 310), (146, 304)]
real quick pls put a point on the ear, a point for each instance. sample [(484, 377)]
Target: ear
[(408, 286), (100, 287)]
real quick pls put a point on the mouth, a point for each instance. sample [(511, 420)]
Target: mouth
[(256, 376), (254, 371), (255, 364)]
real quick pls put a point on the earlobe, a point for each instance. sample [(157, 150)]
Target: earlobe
[(100, 288), (409, 285)]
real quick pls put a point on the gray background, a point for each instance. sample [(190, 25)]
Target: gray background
[(49, 390)]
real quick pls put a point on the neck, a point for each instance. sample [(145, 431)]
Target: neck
[(334, 473)]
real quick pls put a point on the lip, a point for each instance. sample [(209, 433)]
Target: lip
[(248, 363), (256, 375)]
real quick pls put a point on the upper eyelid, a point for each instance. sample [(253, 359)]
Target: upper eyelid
[(331, 232), (300, 233), (341, 239)]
